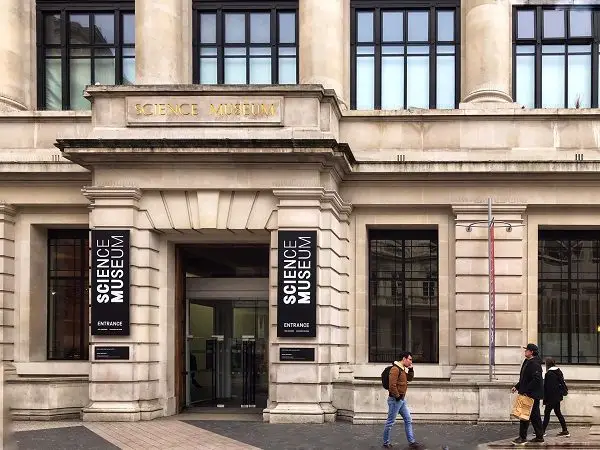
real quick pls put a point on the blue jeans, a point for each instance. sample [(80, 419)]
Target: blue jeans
[(395, 407)]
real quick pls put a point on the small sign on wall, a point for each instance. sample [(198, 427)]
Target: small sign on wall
[(111, 353), (110, 283), (296, 354), (297, 284)]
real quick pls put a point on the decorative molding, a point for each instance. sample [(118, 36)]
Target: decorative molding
[(93, 193), (7, 210), (316, 193), (483, 209)]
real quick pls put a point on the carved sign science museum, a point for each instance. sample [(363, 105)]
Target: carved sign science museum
[(199, 110)]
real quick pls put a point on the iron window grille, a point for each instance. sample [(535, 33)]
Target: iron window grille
[(79, 44), (405, 54), (403, 295), (555, 56), (569, 296), (236, 42), (68, 284)]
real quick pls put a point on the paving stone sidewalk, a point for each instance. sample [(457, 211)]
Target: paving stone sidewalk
[(222, 434)]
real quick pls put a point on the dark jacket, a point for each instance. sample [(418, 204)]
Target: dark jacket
[(399, 378), (531, 382), (552, 386)]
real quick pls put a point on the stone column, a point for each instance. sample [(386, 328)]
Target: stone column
[(7, 283), (128, 390), (6, 437), (12, 55), (487, 45), (302, 392), (472, 298), (159, 32), (7, 318), (324, 42)]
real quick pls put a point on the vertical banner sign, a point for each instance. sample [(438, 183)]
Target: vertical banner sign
[(297, 284), (492, 290), (110, 283)]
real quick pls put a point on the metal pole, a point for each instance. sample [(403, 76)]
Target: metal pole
[(492, 288)]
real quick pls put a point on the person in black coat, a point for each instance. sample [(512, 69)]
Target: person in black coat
[(555, 389), (531, 384)]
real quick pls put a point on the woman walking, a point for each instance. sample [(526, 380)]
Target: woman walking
[(555, 389)]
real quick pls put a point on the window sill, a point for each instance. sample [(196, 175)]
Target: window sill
[(422, 370), (40, 114), (58, 368), (501, 111)]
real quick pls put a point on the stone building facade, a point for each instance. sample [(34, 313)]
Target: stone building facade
[(205, 129)]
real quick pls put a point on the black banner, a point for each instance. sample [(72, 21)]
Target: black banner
[(296, 354), (110, 283), (297, 284), (111, 353)]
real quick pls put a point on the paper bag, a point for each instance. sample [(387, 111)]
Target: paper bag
[(522, 407)]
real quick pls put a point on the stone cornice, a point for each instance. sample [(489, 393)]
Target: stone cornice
[(482, 208), (316, 193), (93, 193), (7, 209)]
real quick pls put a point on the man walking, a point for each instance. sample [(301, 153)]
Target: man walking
[(531, 384), (400, 374)]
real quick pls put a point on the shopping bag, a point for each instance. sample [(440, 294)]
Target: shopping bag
[(522, 407)]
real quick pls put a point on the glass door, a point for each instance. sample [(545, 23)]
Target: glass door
[(227, 353)]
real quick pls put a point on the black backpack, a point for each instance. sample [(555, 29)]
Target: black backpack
[(562, 386), (385, 377)]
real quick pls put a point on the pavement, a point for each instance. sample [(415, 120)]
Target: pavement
[(169, 433)]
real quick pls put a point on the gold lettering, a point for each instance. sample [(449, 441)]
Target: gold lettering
[(138, 109), (217, 111), (174, 109), (162, 109), (145, 109), (194, 109), (246, 108), (267, 112)]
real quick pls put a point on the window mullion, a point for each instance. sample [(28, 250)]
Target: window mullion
[(118, 48), (248, 45), (378, 38), (432, 58), (65, 62), (220, 47), (274, 38)]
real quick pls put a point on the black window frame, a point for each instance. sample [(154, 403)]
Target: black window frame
[(430, 285), (64, 8), (239, 6), (81, 281), (432, 6), (571, 278), (538, 41)]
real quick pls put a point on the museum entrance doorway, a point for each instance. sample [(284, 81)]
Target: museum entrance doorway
[(224, 346)]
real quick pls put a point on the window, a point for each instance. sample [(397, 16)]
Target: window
[(68, 315), (82, 46), (404, 56), (253, 45), (569, 296), (403, 294), (556, 57)]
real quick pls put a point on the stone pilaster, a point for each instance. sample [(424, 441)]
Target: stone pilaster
[(472, 298), (7, 283), (487, 64), (128, 390), (7, 318), (324, 42), (12, 56), (159, 32), (303, 392)]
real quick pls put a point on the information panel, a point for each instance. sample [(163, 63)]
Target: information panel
[(110, 283), (297, 284)]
